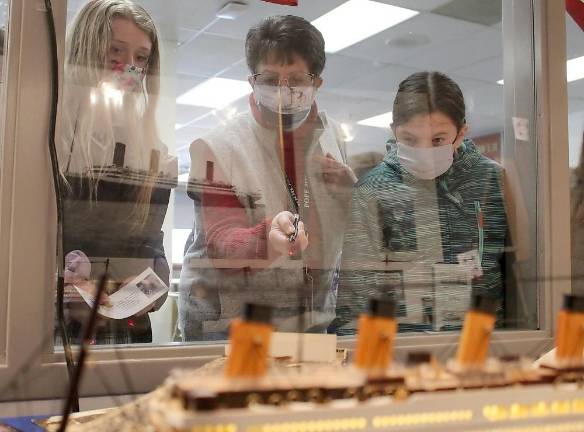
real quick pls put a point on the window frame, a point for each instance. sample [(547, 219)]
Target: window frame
[(28, 225), (6, 180)]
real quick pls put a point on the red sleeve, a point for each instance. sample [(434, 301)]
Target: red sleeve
[(228, 230)]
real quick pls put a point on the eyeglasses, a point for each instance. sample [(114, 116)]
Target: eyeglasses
[(295, 79)]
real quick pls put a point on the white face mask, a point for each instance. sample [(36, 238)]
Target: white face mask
[(427, 162)]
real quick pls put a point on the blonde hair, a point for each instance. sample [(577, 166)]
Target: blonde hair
[(85, 113), (89, 37)]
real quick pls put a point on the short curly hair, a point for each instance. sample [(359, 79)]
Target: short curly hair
[(282, 36)]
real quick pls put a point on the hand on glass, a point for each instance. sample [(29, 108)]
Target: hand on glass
[(281, 230), (335, 173)]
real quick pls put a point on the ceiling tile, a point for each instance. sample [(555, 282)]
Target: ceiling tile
[(207, 55), (340, 69), (459, 52), (490, 70), (420, 5), (486, 12), (437, 31), (258, 10)]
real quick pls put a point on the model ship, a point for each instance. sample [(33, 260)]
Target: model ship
[(374, 392), (120, 174), (105, 203), (215, 191)]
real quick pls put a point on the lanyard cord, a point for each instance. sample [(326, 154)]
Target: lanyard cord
[(304, 298), (292, 193), (294, 196), (480, 225)]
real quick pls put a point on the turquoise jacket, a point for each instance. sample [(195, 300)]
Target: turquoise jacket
[(398, 221)]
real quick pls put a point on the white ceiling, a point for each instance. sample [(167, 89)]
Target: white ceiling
[(359, 81)]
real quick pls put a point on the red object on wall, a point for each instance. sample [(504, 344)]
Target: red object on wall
[(576, 10), (283, 2)]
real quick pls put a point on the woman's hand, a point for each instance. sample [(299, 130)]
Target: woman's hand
[(90, 288), (77, 267), (334, 173), (281, 230)]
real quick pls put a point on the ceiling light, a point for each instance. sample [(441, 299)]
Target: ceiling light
[(575, 69), (112, 95), (231, 113), (356, 20), (215, 93), (232, 10), (500, 82), (347, 130), (381, 121)]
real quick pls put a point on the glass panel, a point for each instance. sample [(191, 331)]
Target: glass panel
[(395, 174), (4, 20), (4, 17), (575, 55)]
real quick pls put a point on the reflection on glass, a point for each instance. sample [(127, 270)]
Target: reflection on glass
[(273, 126), (116, 173), (428, 225)]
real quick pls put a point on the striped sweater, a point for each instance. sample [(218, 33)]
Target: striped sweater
[(403, 225)]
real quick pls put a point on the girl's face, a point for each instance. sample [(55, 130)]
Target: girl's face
[(128, 46), (429, 130)]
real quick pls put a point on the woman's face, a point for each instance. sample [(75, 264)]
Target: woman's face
[(429, 130), (287, 89), (129, 45)]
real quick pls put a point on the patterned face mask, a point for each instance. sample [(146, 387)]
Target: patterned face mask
[(284, 99), (127, 77), (291, 105)]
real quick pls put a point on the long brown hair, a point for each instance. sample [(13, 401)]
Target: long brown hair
[(428, 92)]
